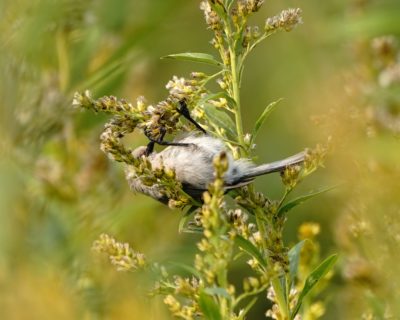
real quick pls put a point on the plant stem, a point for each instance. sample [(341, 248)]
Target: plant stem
[(236, 64), (275, 282), (236, 94)]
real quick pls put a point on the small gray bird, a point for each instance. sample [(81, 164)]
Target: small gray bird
[(193, 166)]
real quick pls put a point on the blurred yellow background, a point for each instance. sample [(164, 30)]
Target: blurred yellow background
[(58, 192)]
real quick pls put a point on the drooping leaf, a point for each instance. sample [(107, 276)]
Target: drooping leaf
[(247, 246), (221, 119), (313, 278), (294, 257), (194, 57), (209, 307), (260, 121), (299, 200)]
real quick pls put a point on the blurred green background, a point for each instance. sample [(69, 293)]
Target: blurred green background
[(58, 192)]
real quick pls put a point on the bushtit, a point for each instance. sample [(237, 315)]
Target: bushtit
[(193, 166)]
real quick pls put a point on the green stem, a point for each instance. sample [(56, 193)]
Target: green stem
[(253, 45), (285, 195), (236, 64), (236, 95), (235, 80), (275, 282), (249, 294), (222, 274), (63, 60), (213, 76)]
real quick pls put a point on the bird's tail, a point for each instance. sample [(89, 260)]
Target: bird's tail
[(276, 166)]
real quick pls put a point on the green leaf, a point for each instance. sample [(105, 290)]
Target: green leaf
[(185, 218), (251, 249), (209, 307), (217, 291), (313, 278), (294, 257), (260, 121), (238, 255), (377, 305), (182, 223), (194, 57), (295, 202), (229, 3), (193, 229), (221, 119)]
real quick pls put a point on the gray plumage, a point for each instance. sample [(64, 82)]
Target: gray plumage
[(193, 166)]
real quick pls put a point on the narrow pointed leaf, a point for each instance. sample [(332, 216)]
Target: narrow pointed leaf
[(376, 305), (260, 121), (313, 278), (229, 3), (192, 229), (250, 248), (185, 218), (294, 257), (209, 307), (194, 57), (182, 224), (221, 119), (295, 202)]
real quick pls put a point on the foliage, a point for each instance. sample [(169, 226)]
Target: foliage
[(338, 74), (209, 292)]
